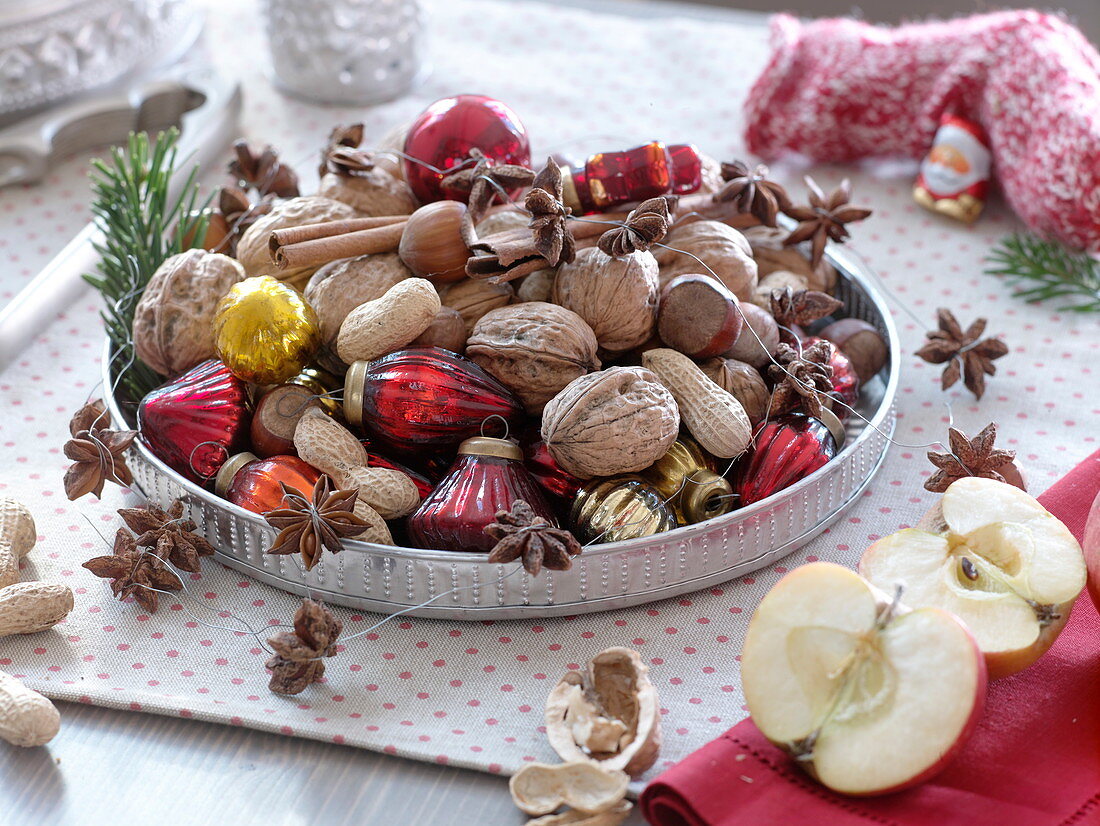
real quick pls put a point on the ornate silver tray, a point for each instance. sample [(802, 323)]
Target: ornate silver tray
[(464, 586)]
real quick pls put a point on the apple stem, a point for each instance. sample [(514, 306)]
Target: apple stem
[(1045, 613), (886, 614)]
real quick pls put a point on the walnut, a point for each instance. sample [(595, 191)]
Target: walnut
[(776, 280), (770, 255), (538, 286), (173, 322), (502, 220), (253, 251), (711, 174), (387, 147), (616, 296), (474, 298), (338, 288), (743, 381), (534, 349), (372, 193), (719, 246), (447, 330), (618, 420)]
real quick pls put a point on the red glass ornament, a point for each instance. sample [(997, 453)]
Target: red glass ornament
[(488, 476), (549, 475), (444, 133), (611, 178), (845, 379), (426, 397), (195, 423), (375, 459), (255, 487), (787, 449)]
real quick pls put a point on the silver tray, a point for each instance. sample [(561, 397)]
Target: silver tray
[(463, 586)]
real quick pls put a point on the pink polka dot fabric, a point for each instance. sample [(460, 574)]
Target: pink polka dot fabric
[(471, 694), (839, 90)]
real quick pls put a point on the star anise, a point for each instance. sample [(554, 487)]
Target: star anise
[(965, 353), (968, 457), (134, 573), (522, 535), (309, 527), (168, 534), (646, 224), (236, 212), (824, 218), (790, 307), (97, 452), (342, 154), (801, 380), (485, 180), (752, 192), (298, 662), (262, 171), (553, 239)]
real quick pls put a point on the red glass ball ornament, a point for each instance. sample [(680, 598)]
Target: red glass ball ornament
[(376, 459), (255, 487), (549, 475), (488, 476), (427, 397), (786, 450), (444, 133), (195, 423), (845, 379)]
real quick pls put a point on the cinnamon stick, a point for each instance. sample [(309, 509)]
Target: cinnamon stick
[(322, 251), (311, 232)]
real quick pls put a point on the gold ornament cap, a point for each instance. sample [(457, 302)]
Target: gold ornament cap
[(354, 385), (705, 496), (491, 446), (835, 426), (230, 469)]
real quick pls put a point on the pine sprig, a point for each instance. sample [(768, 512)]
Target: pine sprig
[(142, 226), (1042, 270)]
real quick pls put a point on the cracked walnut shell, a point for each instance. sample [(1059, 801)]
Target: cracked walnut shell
[(534, 349), (619, 420), (616, 296), (609, 714), (372, 193), (174, 320)]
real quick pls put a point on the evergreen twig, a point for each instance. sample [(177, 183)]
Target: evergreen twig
[(1042, 270), (141, 227)]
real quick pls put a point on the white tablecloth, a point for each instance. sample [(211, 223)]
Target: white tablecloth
[(472, 694)]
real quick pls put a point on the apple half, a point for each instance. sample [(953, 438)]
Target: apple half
[(867, 695), (994, 557)]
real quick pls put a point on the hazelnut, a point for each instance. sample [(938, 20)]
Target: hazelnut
[(719, 246), (758, 339), (473, 298), (447, 330), (432, 245), (862, 343), (534, 349), (698, 316), (376, 192), (743, 382), (173, 322), (538, 286), (619, 420), (253, 250), (616, 296)]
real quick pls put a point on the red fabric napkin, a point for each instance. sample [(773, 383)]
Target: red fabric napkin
[(1034, 759)]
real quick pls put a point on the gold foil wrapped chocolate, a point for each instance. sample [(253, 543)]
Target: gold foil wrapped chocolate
[(685, 478), (618, 508)]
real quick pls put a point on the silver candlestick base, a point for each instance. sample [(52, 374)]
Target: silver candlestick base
[(345, 51)]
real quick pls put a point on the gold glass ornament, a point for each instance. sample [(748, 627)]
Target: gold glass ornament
[(264, 331), (685, 478), (618, 508)]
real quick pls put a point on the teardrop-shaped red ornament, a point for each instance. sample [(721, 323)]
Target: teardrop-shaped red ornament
[(427, 397), (787, 449), (547, 472), (196, 422), (488, 476)]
